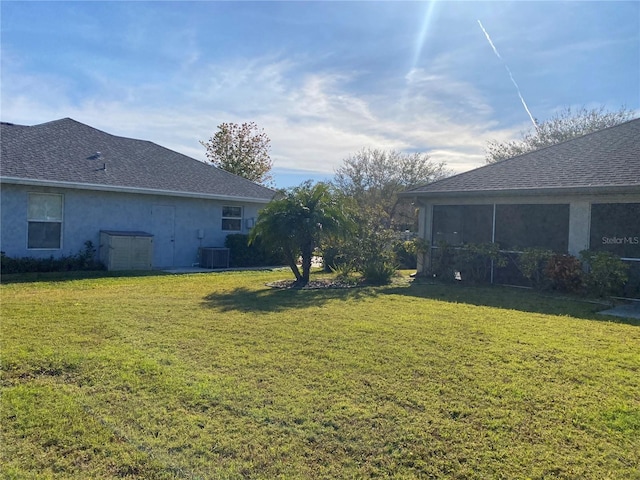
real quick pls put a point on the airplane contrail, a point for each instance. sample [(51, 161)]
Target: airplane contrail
[(513, 80)]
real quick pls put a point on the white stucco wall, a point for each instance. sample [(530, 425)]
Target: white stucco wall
[(579, 225), (87, 212)]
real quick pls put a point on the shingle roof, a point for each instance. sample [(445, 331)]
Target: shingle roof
[(65, 151), (608, 159)]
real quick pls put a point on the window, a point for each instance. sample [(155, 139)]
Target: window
[(232, 218), (44, 218)]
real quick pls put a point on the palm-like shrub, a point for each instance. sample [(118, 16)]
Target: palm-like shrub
[(298, 220)]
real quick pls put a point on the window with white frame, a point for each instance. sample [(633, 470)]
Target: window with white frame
[(232, 218), (44, 218)]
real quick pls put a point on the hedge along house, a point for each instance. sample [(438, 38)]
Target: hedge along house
[(583, 194), (63, 183)]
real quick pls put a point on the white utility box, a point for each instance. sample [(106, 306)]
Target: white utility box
[(126, 250)]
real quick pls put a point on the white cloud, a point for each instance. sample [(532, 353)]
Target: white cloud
[(314, 120)]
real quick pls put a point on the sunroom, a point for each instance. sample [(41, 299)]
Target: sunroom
[(580, 195)]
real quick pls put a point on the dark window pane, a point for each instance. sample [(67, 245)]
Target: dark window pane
[(524, 226), (232, 211), (232, 224), (477, 223), (458, 224), (615, 228), (447, 224), (44, 235)]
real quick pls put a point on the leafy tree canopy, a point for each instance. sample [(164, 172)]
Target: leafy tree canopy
[(373, 178), (563, 126), (298, 220), (242, 150)]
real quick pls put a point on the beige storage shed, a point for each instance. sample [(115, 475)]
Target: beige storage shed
[(126, 250)]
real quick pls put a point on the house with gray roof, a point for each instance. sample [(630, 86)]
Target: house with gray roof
[(583, 194), (65, 183)]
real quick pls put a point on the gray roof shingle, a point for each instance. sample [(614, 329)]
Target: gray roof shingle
[(608, 159), (65, 151)]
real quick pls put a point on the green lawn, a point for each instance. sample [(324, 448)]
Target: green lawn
[(218, 376)]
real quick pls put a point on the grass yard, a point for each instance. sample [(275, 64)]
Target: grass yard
[(217, 376)]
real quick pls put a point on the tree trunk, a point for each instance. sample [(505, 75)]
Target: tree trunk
[(291, 260), (296, 272), (307, 253)]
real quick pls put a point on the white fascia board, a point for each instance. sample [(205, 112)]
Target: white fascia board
[(121, 189), (585, 190)]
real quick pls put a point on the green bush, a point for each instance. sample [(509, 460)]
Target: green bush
[(332, 257), (374, 257), (443, 262), (255, 255), (368, 252), (406, 253), (532, 264), (469, 263), (565, 273), (344, 271), (474, 261), (83, 260), (378, 271), (607, 274)]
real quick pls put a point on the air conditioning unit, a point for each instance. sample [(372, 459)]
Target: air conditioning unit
[(214, 257)]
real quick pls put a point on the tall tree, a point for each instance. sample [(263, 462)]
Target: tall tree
[(563, 126), (373, 178), (298, 221), (242, 150)]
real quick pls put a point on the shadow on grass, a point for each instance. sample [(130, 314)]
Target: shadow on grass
[(278, 300), (510, 298), (33, 277)]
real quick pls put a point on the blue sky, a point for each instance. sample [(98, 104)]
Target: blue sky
[(323, 79)]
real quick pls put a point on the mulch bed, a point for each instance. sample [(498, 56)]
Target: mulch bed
[(312, 285)]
